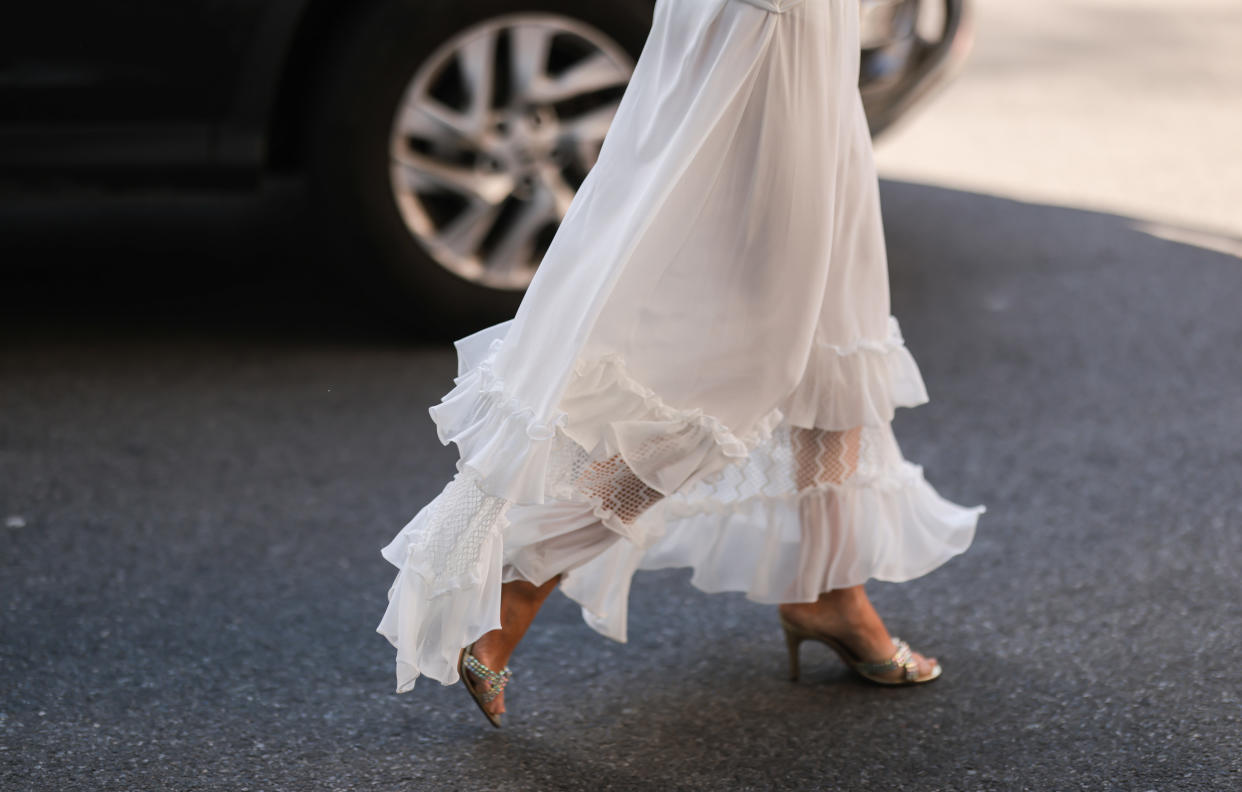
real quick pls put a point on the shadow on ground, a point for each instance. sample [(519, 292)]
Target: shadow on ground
[(215, 266)]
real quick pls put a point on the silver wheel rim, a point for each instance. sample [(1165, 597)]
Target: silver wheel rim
[(493, 136)]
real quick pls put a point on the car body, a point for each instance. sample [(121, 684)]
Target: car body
[(225, 93)]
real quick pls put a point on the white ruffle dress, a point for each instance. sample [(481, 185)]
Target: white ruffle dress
[(704, 370)]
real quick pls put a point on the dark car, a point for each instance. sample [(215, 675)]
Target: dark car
[(442, 140)]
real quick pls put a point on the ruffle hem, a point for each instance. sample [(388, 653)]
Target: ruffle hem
[(725, 504)]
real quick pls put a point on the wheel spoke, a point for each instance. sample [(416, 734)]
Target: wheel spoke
[(478, 64), (430, 119), (466, 232), (562, 192), (516, 248), (491, 188), (529, 59), (591, 74), (590, 127)]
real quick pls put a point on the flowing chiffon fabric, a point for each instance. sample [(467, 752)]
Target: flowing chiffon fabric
[(704, 370)]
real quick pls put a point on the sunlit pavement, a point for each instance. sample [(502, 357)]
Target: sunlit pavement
[(1127, 106), (197, 482)]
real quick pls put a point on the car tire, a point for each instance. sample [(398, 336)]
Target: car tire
[(364, 80)]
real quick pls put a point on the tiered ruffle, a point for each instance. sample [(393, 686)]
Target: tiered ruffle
[(508, 447), (858, 385), (431, 615), (500, 441), (761, 536)]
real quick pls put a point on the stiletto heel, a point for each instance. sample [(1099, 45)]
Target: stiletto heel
[(902, 658), (794, 642)]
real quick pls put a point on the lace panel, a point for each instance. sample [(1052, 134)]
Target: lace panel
[(824, 457), (613, 486), (608, 482), (798, 460), (452, 537)]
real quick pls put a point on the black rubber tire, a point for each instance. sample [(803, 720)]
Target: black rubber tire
[(364, 78)]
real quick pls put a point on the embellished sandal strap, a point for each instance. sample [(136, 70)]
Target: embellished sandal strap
[(902, 658), (496, 680)]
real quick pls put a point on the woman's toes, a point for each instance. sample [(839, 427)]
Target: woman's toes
[(497, 705)]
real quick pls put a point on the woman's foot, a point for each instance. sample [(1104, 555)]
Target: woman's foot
[(492, 651), (847, 615), (519, 602)]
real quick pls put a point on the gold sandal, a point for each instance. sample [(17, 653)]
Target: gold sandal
[(496, 681), (902, 658)]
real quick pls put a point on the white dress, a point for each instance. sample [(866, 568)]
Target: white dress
[(704, 370)]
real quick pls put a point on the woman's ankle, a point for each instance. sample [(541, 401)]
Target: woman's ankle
[(520, 602), (846, 609), (493, 650)]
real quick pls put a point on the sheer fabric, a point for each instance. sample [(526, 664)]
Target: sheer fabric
[(704, 371)]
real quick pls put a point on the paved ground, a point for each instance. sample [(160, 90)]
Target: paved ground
[(1125, 106), (196, 486)]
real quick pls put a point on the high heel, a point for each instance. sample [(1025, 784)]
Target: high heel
[(902, 658), (793, 640)]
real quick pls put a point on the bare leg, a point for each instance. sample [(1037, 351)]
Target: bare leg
[(847, 615), (613, 486), (519, 602), (829, 458)]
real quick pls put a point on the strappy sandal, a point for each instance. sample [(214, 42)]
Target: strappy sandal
[(902, 658), (496, 681)]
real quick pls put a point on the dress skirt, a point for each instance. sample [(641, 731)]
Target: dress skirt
[(704, 370)]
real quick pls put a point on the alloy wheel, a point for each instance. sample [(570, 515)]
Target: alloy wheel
[(493, 136)]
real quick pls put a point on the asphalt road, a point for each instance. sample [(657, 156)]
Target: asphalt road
[(197, 481)]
